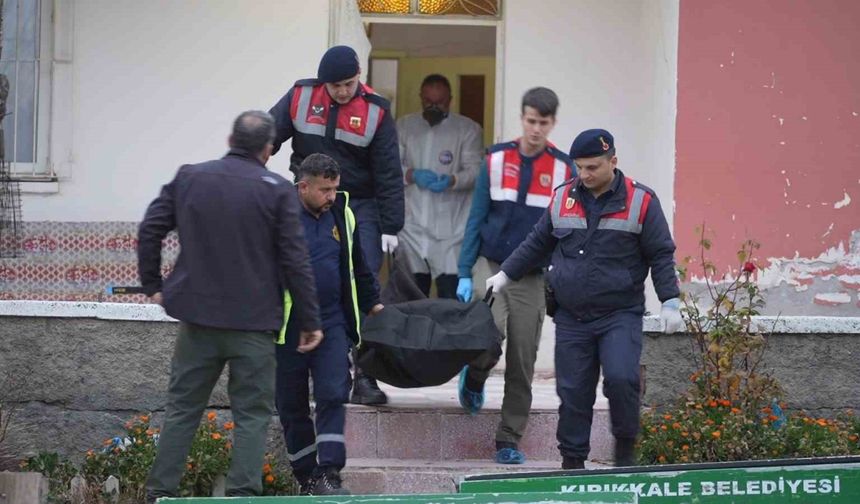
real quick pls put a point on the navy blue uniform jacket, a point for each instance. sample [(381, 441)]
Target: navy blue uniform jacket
[(367, 289), (600, 267), (360, 135), (241, 244)]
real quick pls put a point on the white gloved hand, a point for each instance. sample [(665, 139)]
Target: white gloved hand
[(498, 282), (389, 243), (670, 316)]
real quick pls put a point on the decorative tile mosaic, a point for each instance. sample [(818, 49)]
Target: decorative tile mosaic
[(76, 261)]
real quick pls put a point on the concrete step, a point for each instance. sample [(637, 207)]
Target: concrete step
[(363, 476), (428, 424)]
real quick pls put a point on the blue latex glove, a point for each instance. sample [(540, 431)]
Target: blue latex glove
[(423, 177), (464, 290), (441, 185)]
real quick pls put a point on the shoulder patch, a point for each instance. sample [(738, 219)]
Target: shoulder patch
[(270, 180)]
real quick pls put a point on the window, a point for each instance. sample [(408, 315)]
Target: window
[(431, 7), (22, 74)]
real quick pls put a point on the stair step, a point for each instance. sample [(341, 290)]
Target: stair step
[(429, 424), (363, 476)]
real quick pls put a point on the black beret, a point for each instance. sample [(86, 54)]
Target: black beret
[(337, 64), (591, 143)]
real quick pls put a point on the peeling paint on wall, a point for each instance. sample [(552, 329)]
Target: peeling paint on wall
[(767, 147)]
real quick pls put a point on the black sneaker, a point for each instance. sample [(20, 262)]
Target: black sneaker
[(328, 483), (306, 485), (366, 391)]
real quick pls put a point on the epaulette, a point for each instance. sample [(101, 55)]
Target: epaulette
[(501, 146), (643, 187), (306, 82)]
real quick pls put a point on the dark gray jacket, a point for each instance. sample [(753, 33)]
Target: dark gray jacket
[(241, 245)]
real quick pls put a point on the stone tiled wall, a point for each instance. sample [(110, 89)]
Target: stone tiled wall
[(75, 261)]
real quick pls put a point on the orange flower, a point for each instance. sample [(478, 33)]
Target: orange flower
[(144, 418), (211, 416), (766, 410), (716, 434), (267, 468), (653, 429), (822, 422), (764, 421), (661, 459), (698, 406), (216, 436), (685, 447), (685, 434), (712, 403), (667, 417), (663, 428), (772, 418), (91, 453), (676, 426), (726, 403), (229, 426), (150, 432), (189, 466), (709, 422), (736, 410), (228, 445), (270, 479), (852, 437)]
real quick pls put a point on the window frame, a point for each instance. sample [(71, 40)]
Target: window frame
[(40, 169)]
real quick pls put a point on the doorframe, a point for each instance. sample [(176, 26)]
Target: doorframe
[(498, 23)]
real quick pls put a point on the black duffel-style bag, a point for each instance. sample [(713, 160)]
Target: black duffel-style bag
[(425, 342)]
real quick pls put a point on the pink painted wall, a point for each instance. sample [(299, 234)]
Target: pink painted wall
[(768, 132)]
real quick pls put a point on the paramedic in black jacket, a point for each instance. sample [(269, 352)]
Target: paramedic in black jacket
[(604, 233), (242, 244), (335, 114), (346, 288)]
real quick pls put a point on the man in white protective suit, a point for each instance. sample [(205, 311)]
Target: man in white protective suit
[(441, 155)]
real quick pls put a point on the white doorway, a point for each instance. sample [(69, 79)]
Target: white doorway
[(468, 51)]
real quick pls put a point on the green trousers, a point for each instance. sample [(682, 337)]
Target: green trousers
[(199, 357), (518, 312)]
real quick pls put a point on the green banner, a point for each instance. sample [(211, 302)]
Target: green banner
[(827, 480), (481, 498)]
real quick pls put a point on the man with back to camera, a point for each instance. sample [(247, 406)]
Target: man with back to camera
[(241, 246)]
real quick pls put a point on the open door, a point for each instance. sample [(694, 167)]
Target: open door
[(347, 28)]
